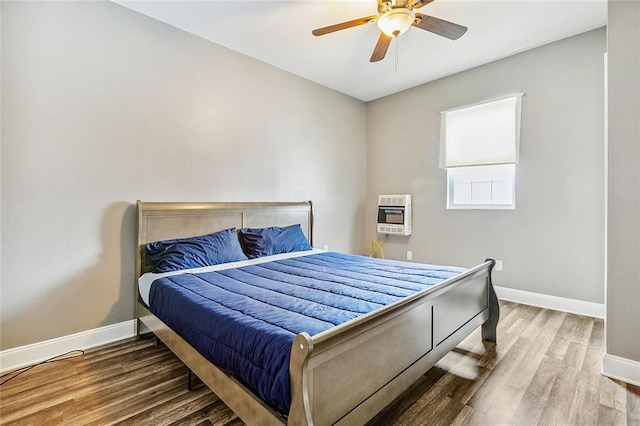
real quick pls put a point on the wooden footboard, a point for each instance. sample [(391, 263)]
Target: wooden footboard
[(349, 373)]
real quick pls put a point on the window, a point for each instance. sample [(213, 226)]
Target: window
[(489, 187), (479, 147)]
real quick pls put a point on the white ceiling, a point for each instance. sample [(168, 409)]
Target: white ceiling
[(279, 33)]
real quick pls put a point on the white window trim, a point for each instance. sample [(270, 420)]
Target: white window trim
[(471, 141)]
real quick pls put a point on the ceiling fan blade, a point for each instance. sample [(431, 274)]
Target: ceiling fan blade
[(439, 26), (344, 25), (417, 4), (381, 48)]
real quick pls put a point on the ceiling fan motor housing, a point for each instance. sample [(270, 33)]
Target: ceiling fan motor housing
[(396, 21)]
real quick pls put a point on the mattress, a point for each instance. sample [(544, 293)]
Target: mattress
[(243, 316)]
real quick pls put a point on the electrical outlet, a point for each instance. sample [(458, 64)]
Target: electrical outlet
[(409, 255), (325, 247), (498, 266)]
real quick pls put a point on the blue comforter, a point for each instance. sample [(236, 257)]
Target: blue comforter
[(245, 319)]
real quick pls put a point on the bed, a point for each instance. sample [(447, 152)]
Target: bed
[(333, 377)]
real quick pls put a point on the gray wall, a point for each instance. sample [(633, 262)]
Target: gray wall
[(102, 106), (623, 256), (553, 242)]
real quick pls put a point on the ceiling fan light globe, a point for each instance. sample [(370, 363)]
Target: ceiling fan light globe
[(396, 21)]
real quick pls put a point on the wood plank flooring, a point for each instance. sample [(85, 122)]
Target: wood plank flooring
[(545, 370)]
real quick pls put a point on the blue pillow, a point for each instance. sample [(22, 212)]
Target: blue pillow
[(260, 242), (194, 252)]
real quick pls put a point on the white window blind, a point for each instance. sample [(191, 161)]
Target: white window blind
[(487, 133)]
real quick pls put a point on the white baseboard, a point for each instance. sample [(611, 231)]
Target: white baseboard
[(619, 368), (556, 303), (22, 356), (11, 359)]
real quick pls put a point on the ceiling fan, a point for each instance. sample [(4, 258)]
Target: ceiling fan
[(394, 18)]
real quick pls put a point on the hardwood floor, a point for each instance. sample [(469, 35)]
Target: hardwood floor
[(545, 370)]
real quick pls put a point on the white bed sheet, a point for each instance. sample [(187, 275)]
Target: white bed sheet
[(146, 280)]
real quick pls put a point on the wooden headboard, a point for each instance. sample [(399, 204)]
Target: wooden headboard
[(162, 221)]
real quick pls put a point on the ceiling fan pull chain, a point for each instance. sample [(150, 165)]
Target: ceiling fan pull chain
[(397, 43)]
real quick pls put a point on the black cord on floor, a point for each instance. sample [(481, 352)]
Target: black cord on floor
[(19, 371)]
